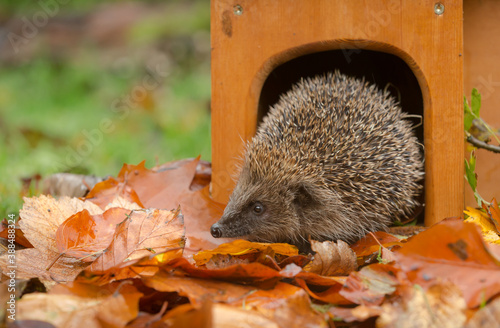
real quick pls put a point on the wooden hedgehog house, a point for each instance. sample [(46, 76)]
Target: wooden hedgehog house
[(260, 48)]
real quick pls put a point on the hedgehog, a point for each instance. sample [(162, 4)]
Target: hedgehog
[(335, 158)]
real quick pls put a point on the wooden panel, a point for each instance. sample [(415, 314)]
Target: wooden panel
[(481, 71), (246, 47)]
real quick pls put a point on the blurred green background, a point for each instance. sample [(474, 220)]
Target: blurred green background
[(88, 85)]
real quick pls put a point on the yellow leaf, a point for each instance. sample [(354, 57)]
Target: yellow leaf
[(241, 247), (483, 221)]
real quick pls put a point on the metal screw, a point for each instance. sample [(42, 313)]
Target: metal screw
[(439, 8), (238, 10)]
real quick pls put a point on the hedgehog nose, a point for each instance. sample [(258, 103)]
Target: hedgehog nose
[(216, 231)]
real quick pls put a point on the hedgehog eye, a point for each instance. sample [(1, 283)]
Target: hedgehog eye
[(258, 208)]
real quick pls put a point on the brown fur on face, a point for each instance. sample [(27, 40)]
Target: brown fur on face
[(334, 159)]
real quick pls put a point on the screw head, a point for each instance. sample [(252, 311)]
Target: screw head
[(439, 8), (238, 10)]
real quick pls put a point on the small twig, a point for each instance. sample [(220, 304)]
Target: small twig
[(481, 144)]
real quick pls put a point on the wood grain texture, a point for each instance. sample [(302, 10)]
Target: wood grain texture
[(481, 71), (247, 47)]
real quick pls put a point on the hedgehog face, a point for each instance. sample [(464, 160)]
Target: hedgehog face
[(262, 211)]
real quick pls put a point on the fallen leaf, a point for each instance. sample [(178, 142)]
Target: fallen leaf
[(63, 311), (86, 236), (143, 267), (107, 191), (18, 233), (144, 232), (495, 214), (199, 290), (360, 313), (219, 315), (65, 269), (149, 320), (180, 183), (41, 217), (69, 184), (323, 288), (453, 250), (371, 284), (372, 242), (332, 259), (489, 316), (250, 273), (242, 247), (483, 220), (442, 305)]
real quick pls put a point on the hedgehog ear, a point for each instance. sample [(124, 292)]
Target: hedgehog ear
[(303, 196)]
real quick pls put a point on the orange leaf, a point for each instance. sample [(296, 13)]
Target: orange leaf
[(41, 217), (138, 268), (106, 191), (332, 259), (369, 245), (69, 310), (495, 214), (18, 233), (85, 236), (144, 232), (199, 290), (248, 273), (370, 285), (243, 247), (455, 251), (182, 183), (325, 289)]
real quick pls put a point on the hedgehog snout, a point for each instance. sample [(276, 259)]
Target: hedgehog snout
[(216, 231)]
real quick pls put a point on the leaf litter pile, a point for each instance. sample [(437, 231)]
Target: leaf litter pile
[(137, 252)]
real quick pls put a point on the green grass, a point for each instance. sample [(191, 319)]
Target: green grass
[(48, 109)]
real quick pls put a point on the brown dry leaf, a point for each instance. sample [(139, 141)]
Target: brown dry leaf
[(41, 217), (483, 221), (219, 315), (238, 248), (287, 305), (18, 233), (442, 305), (326, 289), (372, 242), (32, 263), (143, 233), (86, 236), (150, 320), (371, 284), (489, 316), (226, 316), (171, 188), (247, 273), (183, 183), (332, 259), (495, 214), (198, 290), (122, 203), (144, 267), (359, 313), (107, 191), (63, 310), (69, 184), (453, 250)]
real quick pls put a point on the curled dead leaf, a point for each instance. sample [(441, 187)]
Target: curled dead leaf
[(332, 259)]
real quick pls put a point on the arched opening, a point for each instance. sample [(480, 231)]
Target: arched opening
[(383, 69)]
